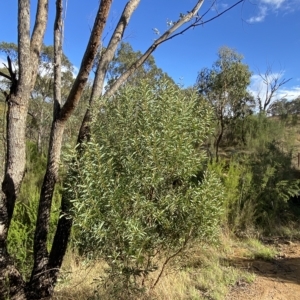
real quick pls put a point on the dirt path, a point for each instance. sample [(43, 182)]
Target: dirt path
[(278, 279)]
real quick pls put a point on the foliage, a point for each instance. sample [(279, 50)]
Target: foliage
[(225, 88), (273, 183), (237, 181), (138, 193), (286, 109), (259, 179)]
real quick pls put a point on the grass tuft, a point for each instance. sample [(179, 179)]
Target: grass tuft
[(257, 250)]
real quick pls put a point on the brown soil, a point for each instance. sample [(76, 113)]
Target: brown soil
[(277, 279)]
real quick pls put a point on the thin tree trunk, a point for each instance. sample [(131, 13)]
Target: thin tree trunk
[(109, 54), (17, 102), (40, 132), (45, 269), (218, 141), (103, 64), (37, 37)]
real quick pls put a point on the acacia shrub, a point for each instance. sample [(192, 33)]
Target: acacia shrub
[(137, 194)]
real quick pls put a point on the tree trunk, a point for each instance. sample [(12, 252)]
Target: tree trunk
[(218, 141), (46, 267), (103, 64), (11, 282), (40, 132)]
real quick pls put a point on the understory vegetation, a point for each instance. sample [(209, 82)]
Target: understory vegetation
[(169, 180)]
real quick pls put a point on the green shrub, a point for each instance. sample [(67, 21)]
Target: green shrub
[(239, 205), (273, 183), (141, 190), (260, 178)]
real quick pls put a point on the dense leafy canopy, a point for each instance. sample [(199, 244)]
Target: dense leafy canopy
[(141, 184)]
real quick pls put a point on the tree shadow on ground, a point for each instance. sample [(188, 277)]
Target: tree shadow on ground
[(285, 267)]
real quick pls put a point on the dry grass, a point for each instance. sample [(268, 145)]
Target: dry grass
[(201, 273), (77, 278)]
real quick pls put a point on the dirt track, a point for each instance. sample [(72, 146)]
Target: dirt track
[(276, 279)]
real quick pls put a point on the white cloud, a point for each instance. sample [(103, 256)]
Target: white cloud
[(265, 7), (75, 71), (290, 93), (274, 3), (260, 16), (218, 7)]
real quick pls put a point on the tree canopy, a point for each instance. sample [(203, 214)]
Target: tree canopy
[(224, 86)]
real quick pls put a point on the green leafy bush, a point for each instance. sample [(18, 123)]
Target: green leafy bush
[(273, 183), (141, 190), (239, 206), (260, 178)]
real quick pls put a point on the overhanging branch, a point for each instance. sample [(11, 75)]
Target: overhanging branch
[(168, 35)]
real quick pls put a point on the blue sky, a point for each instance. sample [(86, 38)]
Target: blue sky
[(266, 32)]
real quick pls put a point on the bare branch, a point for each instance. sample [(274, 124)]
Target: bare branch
[(273, 82), (160, 40), (10, 69), (221, 13), (5, 75), (169, 34), (199, 20), (171, 257)]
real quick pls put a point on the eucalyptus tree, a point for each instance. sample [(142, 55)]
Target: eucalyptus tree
[(47, 262), (225, 87)]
